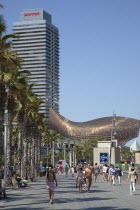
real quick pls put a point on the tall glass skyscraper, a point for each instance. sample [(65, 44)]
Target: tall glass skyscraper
[(38, 46)]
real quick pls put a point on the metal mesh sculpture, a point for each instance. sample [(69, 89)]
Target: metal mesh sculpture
[(125, 128)]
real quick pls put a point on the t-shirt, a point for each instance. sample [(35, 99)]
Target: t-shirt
[(18, 179), (72, 170), (112, 171), (96, 169), (66, 169), (132, 175), (104, 169)]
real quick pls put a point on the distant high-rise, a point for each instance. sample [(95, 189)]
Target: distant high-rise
[(38, 46)]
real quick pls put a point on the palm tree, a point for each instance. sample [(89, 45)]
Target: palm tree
[(128, 155), (22, 110), (2, 96), (49, 139), (8, 64), (85, 149), (19, 95), (15, 138), (78, 151), (15, 86), (2, 22), (30, 124), (24, 98)]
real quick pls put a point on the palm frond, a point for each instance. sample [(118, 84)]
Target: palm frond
[(1, 6), (8, 36)]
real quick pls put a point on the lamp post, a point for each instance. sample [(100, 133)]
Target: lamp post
[(53, 154), (74, 154), (64, 151), (112, 134), (70, 158), (5, 144)]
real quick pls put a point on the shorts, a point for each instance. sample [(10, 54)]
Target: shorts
[(88, 181), (81, 181), (51, 186)]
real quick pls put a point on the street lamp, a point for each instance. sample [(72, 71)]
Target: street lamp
[(64, 151), (5, 144), (53, 154), (112, 134), (70, 161)]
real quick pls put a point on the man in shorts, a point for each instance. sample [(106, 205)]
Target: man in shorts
[(89, 175), (51, 182)]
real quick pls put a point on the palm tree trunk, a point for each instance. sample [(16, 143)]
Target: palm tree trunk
[(25, 158), (30, 172), (36, 153), (19, 151), (2, 108), (39, 153), (33, 157), (9, 150)]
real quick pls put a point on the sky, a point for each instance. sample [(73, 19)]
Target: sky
[(99, 54)]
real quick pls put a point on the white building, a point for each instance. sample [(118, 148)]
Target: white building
[(38, 46), (135, 146)]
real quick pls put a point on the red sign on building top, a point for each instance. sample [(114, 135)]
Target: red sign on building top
[(31, 14)]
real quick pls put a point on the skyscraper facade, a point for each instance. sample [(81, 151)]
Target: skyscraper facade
[(38, 46)]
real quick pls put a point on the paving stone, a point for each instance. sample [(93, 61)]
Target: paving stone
[(103, 196)]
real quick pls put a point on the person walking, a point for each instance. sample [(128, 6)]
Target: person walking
[(132, 176), (119, 174), (51, 182), (80, 179), (135, 168), (104, 170), (96, 172), (66, 170), (112, 172), (89, 175), (72, 171)]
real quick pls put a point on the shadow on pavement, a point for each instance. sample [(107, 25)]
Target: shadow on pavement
[(81, 200), (103, 208), (83, 191)]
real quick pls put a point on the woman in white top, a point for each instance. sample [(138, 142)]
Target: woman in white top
[(132, 176), (105, 172)]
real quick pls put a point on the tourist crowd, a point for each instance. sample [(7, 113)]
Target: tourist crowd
[(84, 175)]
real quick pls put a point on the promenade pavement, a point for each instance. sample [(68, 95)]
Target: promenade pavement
[(103, 196)]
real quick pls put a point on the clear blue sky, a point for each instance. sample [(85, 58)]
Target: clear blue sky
[(99, 54)]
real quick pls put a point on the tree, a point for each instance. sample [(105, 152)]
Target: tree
[(128, 156), (49, 137), (78, 151), (85, 149), (9, 63), (22, 104)]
